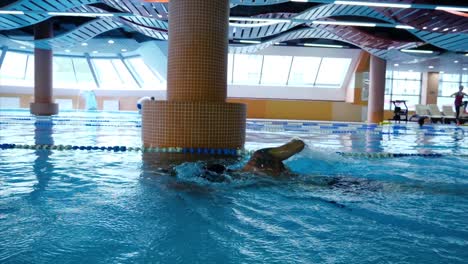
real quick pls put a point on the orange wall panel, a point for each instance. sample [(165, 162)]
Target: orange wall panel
[(287, 109), (255, 108)]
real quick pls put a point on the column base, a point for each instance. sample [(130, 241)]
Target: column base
[(44, 109), (375, 117), (193, 124)]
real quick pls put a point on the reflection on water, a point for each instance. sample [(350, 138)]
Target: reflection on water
[(43, 167)]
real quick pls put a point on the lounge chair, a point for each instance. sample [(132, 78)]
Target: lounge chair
[(436, 115), (448, 111), (421, 111)]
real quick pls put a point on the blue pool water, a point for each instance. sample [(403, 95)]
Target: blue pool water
[(119, 207)]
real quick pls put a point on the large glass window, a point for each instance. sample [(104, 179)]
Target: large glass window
[(106, 73), (304, 71), (247, 69), (276, 70), (30, 70), (403, 85), (332, 72), (13, 69), (287, 70), (79, 72), (230, 67), (124, 74), (63, 72), (148, 78), (448, 85), (83, 74)]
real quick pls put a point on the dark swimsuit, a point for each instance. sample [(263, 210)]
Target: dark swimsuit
[(458, 103)]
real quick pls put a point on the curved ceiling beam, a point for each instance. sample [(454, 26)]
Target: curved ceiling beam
[(150, 27), (423, 19), (322, 33), (253, 2), (155, 10), (314, 13), (77, 36), (449, 41), (8, 22), (452, 42), (355, 35), (149, 19)]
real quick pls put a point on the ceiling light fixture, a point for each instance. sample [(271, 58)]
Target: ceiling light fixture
[(84, 44), (250, 41), (95, 51), (22, 47), (431, 67), (396, 64), (359, 3), (465, 69), (454, 30), (11, 12), (123, 50), (404, 27), (455, 61), (451, 8), (111, 41), (436, 28), (343, 23), (424, 27), (67, 51), (254, 25), (322, 45), (253, 19), (417, 51), (80, 14)]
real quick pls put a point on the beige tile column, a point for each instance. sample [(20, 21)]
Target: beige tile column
[(43, 76), (378, 67), (196, 113), (430, 88)]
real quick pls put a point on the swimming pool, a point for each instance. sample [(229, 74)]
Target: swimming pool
[(101, 206)]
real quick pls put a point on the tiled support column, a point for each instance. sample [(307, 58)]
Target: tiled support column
[(196, 113), (430, 88), (43, 79), (376, 90)]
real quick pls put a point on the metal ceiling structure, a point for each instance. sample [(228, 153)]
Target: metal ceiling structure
[(380, 30)]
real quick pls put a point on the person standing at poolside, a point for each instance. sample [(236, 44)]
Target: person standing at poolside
[(459, 100)]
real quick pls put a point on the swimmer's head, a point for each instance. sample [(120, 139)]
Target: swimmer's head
[(421, 121)]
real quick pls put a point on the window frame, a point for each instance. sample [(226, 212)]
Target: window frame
[(390, 94)]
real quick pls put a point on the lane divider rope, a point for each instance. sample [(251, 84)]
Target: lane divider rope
[(209, 151)]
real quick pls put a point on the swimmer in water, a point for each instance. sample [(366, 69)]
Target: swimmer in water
[(265, 162)]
